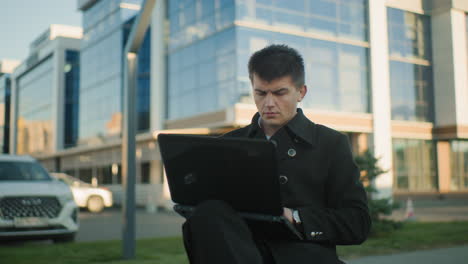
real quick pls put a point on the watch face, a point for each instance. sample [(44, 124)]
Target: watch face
[(296, 217)]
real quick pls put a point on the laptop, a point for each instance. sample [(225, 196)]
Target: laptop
[(239, 171)]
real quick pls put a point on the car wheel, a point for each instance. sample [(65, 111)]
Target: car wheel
[(68, 238), (95, 204)]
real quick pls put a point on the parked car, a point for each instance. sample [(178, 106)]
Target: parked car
[(34, 205), (86, 195)]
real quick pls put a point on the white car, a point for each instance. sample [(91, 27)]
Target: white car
[(34, 205), (86, 195)]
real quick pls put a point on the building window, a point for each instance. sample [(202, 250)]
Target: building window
[(414, 165), (118, 175), (86, 175), (339, 18), (72, 94), (100, 111), (194, 20), (4, 113), (35, 118), (411, 82), (411, 91), (70, 172), (145, 172), (459, 164), (104, 175), (207, 58), (336, 73)]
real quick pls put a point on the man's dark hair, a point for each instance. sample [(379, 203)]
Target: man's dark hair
[(277, 61)]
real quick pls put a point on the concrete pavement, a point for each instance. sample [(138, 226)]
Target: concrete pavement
[(434, 210), (108, 225), (453, 255)]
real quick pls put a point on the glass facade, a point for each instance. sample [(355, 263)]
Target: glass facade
[(459, 164), (5, 86), (338, 18), (411, 81), (414, 165), (72, 96), (409, 34), (411, 91), (34, 123), (192, 20), (201, 59), (100, 111), (336, 73), (208, 55)]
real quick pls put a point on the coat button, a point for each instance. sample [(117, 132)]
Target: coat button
[(291, 152), (283, 179)]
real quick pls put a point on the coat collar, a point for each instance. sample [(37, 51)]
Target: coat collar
[(300, 126)]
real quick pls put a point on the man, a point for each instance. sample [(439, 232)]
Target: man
[(320, 185)]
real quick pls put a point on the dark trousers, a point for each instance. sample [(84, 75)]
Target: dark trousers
[(215, 233)]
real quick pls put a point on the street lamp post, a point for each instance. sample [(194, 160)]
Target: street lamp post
[(134, 41)]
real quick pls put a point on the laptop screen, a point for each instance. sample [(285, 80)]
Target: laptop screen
[(241, 172)]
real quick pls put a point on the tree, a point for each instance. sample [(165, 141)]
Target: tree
[(370, 170)]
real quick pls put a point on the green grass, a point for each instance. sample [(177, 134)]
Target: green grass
[(160, 250), (412, 236)]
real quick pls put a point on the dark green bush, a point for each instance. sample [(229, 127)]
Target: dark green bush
[(370, 170)]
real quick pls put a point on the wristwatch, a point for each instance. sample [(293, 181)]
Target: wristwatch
[(296, 217)]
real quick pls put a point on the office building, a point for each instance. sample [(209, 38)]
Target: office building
[(391, 74), (96, 156), (379, 71), (44, 94)]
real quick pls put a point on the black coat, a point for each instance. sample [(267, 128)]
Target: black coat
[(320, 179)]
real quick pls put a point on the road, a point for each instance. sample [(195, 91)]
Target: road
[(108, 225)]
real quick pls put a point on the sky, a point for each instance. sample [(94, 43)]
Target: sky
[(22, 21)]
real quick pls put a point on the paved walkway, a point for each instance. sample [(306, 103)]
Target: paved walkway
[(434, 210), (108, 225), (454, 255)]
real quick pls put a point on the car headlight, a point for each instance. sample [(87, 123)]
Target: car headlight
[(65, 198)]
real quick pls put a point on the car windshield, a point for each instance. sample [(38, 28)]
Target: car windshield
[(22, 171)]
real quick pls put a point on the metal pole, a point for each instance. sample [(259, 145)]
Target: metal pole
[(128, 156), (130, 61)]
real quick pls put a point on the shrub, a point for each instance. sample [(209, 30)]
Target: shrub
[(370, 170)]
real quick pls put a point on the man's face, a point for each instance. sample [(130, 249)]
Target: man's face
[(277, 100)]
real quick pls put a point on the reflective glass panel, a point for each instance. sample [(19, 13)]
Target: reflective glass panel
[(197, 74), (411, 92), (459, 164), (336, 74), (5, 86), (414, 165), (409, 34), (34, 124), (72, 86)]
